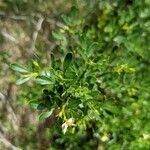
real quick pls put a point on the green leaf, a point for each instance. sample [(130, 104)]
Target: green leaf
[(33, 104), (45, 115), (52, 61), (23, 80), (67, 61), (112, 108), (43, 80), (119, 39), (19, 68), (58, 35), (65, 19), (92, 48), (35, 66), (41, 106), (73, 12)]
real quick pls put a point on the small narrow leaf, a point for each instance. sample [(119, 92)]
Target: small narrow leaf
[(65, 19), (45, 115), (113, 109), (58, 35), (92, 48), (43, 80), (67, 61), (19, 68), (23, 80), (33, 104), (35, 65), (41, 106)]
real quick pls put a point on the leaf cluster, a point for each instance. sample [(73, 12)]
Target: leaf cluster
[(98, 89)]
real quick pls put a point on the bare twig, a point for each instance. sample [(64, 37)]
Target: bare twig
[(14, 17), (35, 33), (55, 22), (9, 37), (24, 18)]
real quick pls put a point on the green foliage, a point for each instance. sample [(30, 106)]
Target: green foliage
[(98, 87)]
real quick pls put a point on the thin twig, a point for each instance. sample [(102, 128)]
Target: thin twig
[(35, 33), (9, 37), (14, 17)]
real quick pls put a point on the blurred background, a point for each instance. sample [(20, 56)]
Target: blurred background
[(25, 34)]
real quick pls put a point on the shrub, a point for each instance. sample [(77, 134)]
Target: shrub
[(96, 86)]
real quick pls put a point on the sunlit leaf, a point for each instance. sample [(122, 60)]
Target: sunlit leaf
[(43, 80), (45, 115), (19, 68), (23, 80)]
